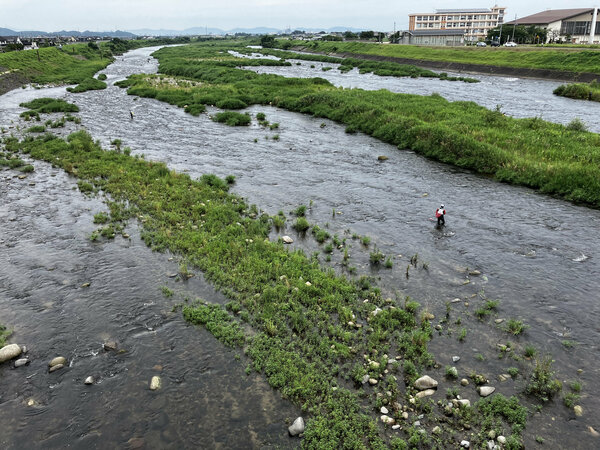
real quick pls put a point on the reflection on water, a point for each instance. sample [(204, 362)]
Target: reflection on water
[(536, 254)]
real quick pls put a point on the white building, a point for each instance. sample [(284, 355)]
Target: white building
[(574, 25), (475, 22)]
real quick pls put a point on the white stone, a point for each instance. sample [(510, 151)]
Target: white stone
[(297, 427), (395, 427), (287, 240), (21, 362), (58, 360), (501, 440), (455, 358), (484, 391), (372, 381), (89, 380), (465, 444), (425, 382), (387, 420), (436, 430), (578, 410), (384, 410), (374, 365), (9, 352), (464, 402), (155, 383), (464, 382), (405, 415), (425, 393)]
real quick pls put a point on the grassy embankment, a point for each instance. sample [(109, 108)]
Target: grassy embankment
[(580, 91), (310, 327), (71, 64), (557, 160), (564, 59)]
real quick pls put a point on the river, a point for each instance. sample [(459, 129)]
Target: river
[(537, 255)]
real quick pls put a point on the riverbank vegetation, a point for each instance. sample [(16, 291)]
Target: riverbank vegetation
[(580, 91), (332, 345), (554, 58), (89, 84), (552, 158), (381, 68), (69, 64)]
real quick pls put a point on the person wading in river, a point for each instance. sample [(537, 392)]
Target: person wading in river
[(440, 213)]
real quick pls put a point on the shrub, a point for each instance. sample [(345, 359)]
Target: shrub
[(542, 383), (89, 84), (576, 125), (232, 118), (102, 77), (301, 224)]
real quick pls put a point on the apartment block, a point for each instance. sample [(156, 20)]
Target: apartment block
[(476, 22)]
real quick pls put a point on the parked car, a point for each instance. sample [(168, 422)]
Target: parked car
[(495, 44), (481, 44), (510, 44)]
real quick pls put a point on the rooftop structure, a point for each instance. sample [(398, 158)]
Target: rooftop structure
[(574, 25)]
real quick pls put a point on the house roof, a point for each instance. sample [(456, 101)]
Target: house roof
[(549, 16)]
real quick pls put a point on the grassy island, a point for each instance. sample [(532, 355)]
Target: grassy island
[(555, 159)]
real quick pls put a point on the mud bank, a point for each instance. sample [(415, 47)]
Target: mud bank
[(546, 74)]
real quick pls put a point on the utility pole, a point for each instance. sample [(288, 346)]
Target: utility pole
[(514, 26)]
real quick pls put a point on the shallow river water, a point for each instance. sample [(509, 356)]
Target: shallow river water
[(538, 256)]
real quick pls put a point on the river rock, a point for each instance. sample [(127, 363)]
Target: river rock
[(384, 410), (474, 273), (464, 402), (428, 316), (57, 361), (405, 415), (593, 432), (578, 410), (425, 393), (287, 240), (89, 380), (155, 383), (21, 362), (501, 440), (387, 420), (9, 352), (425, 382), (109, 345), (484, 391), (365, 379), (297, 427), (436, 430), (374, 365), (372, 381), (455, 359), (464, 382), (55, 368), (395, 427), (465, 444), (382, 158)]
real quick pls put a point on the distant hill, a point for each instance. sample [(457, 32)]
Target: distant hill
[(218, 31), (165, 32), (33, 33)]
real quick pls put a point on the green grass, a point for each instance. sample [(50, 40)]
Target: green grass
[(4, 334), (49, 105), (548, 157), (555, 58), (232, 118), (88, 84), (580, 91)]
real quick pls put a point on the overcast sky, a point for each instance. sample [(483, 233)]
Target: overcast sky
[(109, 15)]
